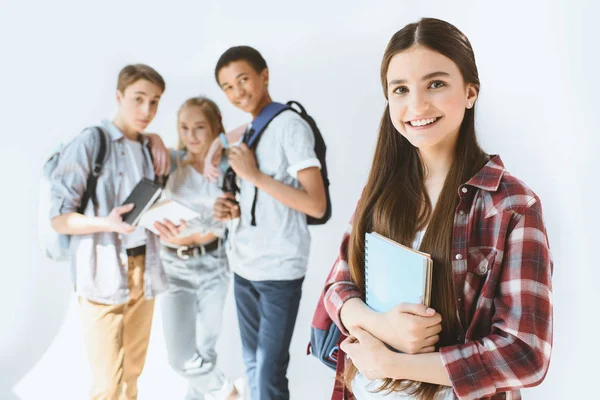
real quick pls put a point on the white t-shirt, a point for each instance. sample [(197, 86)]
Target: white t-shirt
[(134, 161), (277, 247)]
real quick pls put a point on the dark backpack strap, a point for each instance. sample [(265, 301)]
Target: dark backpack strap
[(320, 152), (90, 190), (255, 198)]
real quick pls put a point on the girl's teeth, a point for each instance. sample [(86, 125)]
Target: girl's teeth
[(423, 122)]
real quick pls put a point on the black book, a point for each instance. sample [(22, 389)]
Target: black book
[(143, 195)]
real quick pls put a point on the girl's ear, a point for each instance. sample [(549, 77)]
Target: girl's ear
[(471, 96), (119, 97)]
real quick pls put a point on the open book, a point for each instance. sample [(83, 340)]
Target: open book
[(166, 209), (395, 274)]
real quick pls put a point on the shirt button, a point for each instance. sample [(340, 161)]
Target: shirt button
[(461, 213), (459, 256), (460, 299), (482, 269), (464, 190)]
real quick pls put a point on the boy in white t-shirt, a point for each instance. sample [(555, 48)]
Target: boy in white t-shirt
[(269, 259)]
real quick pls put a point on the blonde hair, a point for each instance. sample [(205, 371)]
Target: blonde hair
[(210, 111), (130, 74)]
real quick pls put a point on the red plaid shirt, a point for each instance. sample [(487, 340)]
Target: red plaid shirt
[(502, 270)]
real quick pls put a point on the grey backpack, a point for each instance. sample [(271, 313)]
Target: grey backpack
[(54, 245)]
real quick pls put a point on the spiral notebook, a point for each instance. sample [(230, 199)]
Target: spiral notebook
[(395, 274)]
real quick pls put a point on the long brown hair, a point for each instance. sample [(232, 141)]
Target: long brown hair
[(212, 114), (394, 201)]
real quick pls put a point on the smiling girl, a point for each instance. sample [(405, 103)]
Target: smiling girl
[(488, 332), (194, 259)]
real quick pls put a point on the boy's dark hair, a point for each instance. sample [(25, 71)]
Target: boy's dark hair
[(237, 53), (132, 73)]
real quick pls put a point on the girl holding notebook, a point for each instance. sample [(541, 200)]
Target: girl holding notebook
[(488, 330), (194, 259)]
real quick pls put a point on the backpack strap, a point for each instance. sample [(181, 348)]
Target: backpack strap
[(254, 134), (90, 190), (261, 122)]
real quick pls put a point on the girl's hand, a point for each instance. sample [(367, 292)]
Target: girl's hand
[(367, 353), (212, 160), (410, 328), (169, 232)]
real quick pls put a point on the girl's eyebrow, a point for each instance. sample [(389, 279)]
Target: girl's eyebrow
[(426, 77)]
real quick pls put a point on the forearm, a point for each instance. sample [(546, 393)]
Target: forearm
[(200, 239), (296, 199), (427, 367), (78, 224), (355, 313)]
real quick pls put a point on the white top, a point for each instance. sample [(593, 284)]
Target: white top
[(277, 247), (190, 188), (362, 389), (134, 160)]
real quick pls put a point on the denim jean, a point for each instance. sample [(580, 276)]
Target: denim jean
[(267, 313), (192, 311)]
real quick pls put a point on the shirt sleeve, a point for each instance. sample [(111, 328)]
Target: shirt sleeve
[(69, 179), (516, 354), (299, 146), (339, 286)]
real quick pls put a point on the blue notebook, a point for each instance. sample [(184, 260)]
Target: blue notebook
[(395, 274)]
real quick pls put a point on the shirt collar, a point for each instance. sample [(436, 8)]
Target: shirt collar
[(116, 134), (489, 176)]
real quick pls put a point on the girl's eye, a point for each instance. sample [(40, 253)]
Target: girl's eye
[(437, 84), (138, 99), (401, 90)]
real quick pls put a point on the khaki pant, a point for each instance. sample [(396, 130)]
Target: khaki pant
[(116, 338)]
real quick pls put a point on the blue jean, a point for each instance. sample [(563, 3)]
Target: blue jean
[(267, 313), (192, 311)]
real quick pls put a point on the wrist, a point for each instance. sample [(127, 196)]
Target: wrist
[(104, 224), (256, 178), (394, 364), (356, 314)]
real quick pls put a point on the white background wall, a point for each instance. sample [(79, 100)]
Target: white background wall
[(59, 60)]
